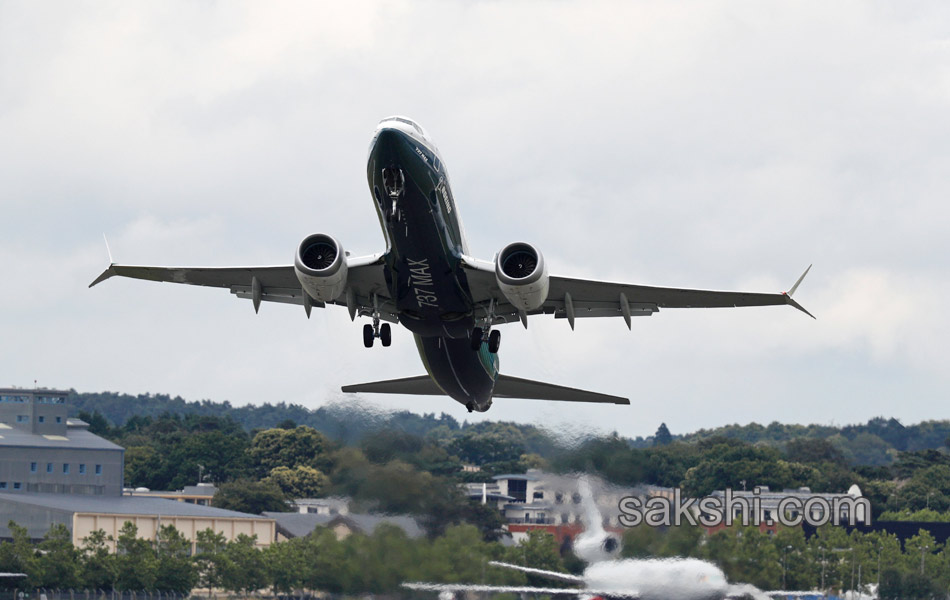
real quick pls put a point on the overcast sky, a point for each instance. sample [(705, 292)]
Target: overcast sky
[(721, 145)]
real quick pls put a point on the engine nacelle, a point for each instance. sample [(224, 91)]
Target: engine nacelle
[(320, 265), (522, 276)]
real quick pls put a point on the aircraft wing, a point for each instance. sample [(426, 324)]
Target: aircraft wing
[(555, 575), (365, 278), (516, 589), (571, 298)]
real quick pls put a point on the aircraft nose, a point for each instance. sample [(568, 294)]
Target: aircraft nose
[(388, 143)]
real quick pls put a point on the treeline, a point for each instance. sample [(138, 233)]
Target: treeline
[(875, 443), (830, 560), (916, 480), (379, 563), (358, 564), (394, 471)]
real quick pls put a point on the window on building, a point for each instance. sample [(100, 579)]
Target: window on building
[(16, 485), (98, 469), (33, 467), (518, 489), (22, 419), (82, 469), (49, 467), (41, 419), (59, 419), (3, 485), (539, 495), (65, 468)]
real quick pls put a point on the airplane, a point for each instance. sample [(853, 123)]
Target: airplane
[(609, 577), (426, 281)]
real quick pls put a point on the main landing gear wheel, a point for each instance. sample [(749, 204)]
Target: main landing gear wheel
[(368, 335), (494, 341), (385, 334), (470, 406), (476, 339)]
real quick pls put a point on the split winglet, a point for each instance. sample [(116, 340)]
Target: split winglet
[(789, 293), (109, 272)]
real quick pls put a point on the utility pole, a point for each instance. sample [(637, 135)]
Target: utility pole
[(822, 570), (922, 548)]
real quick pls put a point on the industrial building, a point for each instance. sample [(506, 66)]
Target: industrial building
[(53, 470), (83, 514), (41, 450)]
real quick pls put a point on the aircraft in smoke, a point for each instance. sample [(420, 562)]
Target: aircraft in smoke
[(427, 281), (609, 577)]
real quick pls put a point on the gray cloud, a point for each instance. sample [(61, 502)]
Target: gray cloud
[(720, 145)]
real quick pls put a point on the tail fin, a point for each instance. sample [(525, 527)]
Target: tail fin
[(595, 544)]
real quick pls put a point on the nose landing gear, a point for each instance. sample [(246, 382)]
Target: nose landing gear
[(394, 181)]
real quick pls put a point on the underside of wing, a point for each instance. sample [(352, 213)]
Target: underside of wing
[(572, 298), (365, 279)]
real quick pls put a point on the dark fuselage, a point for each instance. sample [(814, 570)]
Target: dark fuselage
[(425, 243)]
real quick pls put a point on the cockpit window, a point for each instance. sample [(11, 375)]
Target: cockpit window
[(409, 122)]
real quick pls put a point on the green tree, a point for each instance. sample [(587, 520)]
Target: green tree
[(301, 445), (286, 565), (662, 437), (325, 562), (57, 564), (175, 571), (244, 567), (136, 562), (209, 558), (97, 563), (299, 482), (19, 556), (251, 497)]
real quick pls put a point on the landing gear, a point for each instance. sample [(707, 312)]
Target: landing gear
[(494, 341), (394, 181), (480, 336), (476, 339), (470, 406), (370, 332)]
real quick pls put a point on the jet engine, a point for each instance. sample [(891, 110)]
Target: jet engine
[(522, 276), (599, 547), (320, 265)]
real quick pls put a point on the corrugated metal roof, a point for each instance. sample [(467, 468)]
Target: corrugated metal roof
[(123, 505), (298, 524), (301, 524), (76, 438)]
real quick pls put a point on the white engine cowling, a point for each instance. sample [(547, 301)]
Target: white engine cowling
[(320, 265), (522, 276)]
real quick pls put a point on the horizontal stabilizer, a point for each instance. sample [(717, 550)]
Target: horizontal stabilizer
[(421, 385), (505, 387), (515, 387)]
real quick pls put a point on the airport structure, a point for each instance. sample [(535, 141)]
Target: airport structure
[(53, 470), (550, 502), (536, 500)]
